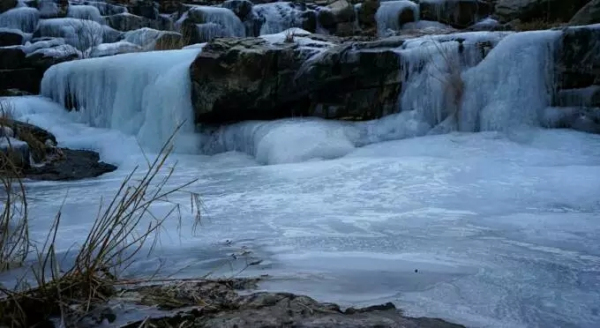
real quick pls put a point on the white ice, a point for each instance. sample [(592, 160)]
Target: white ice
[(22, 18), (278, 17), (503, 231), (79, 33), (111, 49), (493, 226), (150, 100), (388, 15), (230, 24), (85, 12)]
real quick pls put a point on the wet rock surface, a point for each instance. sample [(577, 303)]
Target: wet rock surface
[(218, 304), (245, 79), (33, 153), (74, 165)]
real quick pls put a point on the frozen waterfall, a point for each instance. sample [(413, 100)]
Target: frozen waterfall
[(451, 84), (143, 94)]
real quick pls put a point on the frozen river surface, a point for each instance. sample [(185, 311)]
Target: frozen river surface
[(483, 229)]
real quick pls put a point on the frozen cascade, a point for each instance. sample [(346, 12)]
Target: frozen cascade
[(428, 103), (388, 15), (271, 142), (278, 17), (153, 87), (522, 64), (81, 34), (85, 12), (22, 18), (143, 94), (230, 24)]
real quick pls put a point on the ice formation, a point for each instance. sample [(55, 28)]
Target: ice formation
[(106, 9), (225, 19), (59, 51), (143, 94), (31, 47), (111, 49), (277, 17), (22, 18), (82, 34), (85, 12), (144, 37), (389, 12), (449, 86)]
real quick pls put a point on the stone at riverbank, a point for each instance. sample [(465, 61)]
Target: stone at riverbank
[(253, 78), (33, 152), (217, 304), (75, 165)]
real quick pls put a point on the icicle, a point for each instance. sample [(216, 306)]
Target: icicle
[(22, 18), (389, 13), (145, 94), (85, 12)]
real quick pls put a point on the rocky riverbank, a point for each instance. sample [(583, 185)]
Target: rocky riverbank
[(232, 303), (32, 153)]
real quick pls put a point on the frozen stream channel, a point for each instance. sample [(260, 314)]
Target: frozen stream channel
[(484, 229)]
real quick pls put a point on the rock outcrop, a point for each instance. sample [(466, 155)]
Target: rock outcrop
[(243, 79), (261, 310), (7, 4), (589, 14), (456, 13), (21, 143), (22, 67), (578, 78), (10, 37), (544, 10)]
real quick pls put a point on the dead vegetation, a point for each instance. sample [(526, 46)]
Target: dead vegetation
[(448, 72), (124, 228)]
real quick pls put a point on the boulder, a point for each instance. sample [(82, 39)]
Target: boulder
[(127, 22), (169, 40), (12, 58), (9, 37), (589, 14), (42, 59), (145, 8), (7, 4), (241, 8), (27, 79), (309, 21), (245, 79), (53, 8), (456, 13), (343, 11), (578, 60), (532, 10), (70, 165), (326, 19), (366, 14)]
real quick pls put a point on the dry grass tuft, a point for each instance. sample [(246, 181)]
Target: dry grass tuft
[(14, 233), (289, 36), (118, 235), (450, 76)]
